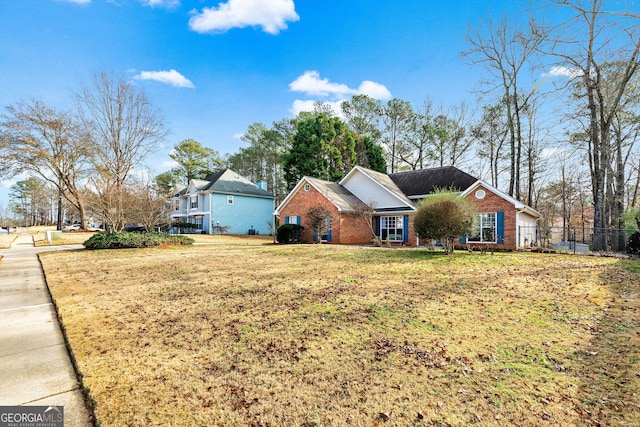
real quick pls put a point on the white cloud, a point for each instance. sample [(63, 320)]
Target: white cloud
[(78, 1), (374, 90), (560, 70), (271, 15), (162, 3), (299, 105), (311, 84), (171, 77)]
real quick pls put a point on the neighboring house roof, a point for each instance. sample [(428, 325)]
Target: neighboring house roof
[(179, 190), (341, 198), (420, 183), (519, 206), (199, 184), (225, 181), (230, 182)]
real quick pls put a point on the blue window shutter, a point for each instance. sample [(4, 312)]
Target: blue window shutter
[(298, 220), (286, 220), (463, 239), (378, 226), (500, 227), (405, 228)]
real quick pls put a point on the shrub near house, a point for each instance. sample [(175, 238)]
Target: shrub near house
[(444, 217)]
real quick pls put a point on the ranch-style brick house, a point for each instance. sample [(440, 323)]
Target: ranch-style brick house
[(502, 222), (223, 201)]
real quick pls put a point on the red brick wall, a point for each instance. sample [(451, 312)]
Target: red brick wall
[(354, 229), (412, 233), (345, 227), (495, 203), (299, 205)]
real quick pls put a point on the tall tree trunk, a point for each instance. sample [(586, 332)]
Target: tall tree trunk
[(512, 142), (518, 154)]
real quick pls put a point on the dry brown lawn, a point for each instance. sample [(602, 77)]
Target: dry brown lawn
[(7, 239), (68, 238), (321, 335), (79, 237)]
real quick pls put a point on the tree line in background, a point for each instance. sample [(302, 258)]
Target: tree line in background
[(529, 142)]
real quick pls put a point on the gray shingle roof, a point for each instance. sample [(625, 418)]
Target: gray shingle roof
[(337, 194), (426, 181), (230, 182), (225, 181)]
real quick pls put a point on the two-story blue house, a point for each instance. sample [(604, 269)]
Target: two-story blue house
[(223, 202)]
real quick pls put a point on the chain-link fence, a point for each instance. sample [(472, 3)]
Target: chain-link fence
[(577, 239)]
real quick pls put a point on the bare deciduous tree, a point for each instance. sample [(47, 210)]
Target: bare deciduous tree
[(40, 141), (124, 129), (491, 134), (319, 218), (124, 126), (367, 212), (599, 34), (505, 50), (397, 115), (152, 208)]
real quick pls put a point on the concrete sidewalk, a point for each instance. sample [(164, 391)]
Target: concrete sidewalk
[(35, 368)]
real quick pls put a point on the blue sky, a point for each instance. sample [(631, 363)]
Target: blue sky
[(215, 67)]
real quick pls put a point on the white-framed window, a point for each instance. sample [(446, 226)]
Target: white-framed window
[(198, 222), (229, 199), (484, 228), (194, 202), (391, 228), (293, 219), (176, 205)]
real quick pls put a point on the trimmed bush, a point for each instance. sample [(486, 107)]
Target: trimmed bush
[(289, 233), (443, 216), (122, 240)]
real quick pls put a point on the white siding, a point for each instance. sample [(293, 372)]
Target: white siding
[(526, 229), (371, 192)]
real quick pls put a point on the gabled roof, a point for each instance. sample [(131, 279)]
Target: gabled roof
[(518, 205), (341, 198), (225, 181), (179, 190), (419, 183), (383, 182), (199, 184)]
